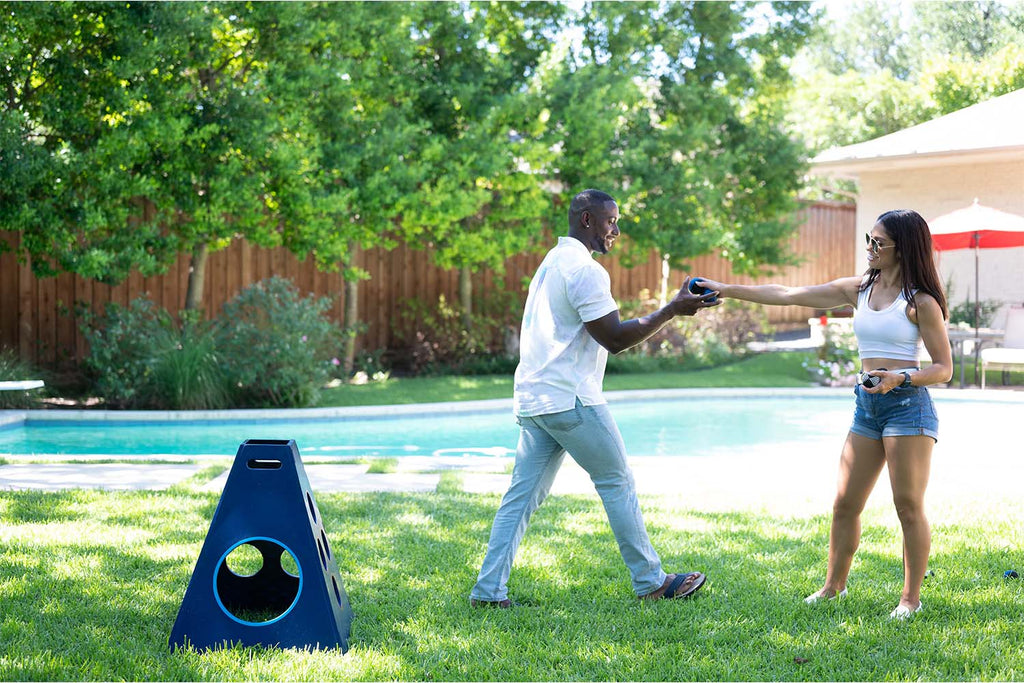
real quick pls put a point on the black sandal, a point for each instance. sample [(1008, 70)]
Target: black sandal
[(672, 592)]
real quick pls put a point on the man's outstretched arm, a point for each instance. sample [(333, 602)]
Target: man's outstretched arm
[(617, 335)]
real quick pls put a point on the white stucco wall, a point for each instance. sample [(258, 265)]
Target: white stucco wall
[(936, 190)]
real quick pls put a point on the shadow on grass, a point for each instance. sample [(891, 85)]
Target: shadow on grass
[(41, 506), (92, 581)]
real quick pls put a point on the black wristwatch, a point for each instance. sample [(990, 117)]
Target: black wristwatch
[(906, 379)]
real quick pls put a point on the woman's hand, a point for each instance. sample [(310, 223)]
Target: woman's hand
[(685, 303), (890, 381), (713, 285)]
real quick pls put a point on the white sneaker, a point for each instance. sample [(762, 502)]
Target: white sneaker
[(902, 612), (817, 597)]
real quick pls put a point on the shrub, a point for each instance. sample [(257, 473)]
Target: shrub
[(838, 359), (440, 342), (142, 358), (122, 345), (13, 369), (711, 337), (489, 364), (370, 363), (277, 346), (964, 312), (186, 369), (638, 363)]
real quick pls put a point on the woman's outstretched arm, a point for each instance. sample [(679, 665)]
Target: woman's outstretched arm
[(840, 292)]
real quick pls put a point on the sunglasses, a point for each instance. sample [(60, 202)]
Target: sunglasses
[(875, 245)]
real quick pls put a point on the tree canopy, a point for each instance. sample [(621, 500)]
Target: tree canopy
[(875, 71), (132, 132), (136, 131)]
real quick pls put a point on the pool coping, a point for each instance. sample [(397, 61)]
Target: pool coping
[(15, 418)]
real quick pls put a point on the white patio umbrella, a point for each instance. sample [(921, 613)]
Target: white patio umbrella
[(977, 227)]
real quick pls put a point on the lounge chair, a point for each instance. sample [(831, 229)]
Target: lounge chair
[(1009, 356), (22, 385)]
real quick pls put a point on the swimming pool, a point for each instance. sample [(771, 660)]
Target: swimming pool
[(661, 423)]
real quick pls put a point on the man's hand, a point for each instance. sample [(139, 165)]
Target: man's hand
[(685, 303), (617, 336)]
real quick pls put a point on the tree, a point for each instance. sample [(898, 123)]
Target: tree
[(870, 74), (348, 79), (869, 38), (152, 114), (674, 107), (971, 30), (484, 199), (71, 140), (953, 84)]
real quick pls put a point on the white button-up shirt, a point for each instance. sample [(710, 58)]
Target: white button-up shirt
[(558, 359)]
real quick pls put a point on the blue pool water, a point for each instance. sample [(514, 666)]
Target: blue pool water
[(662, 426)]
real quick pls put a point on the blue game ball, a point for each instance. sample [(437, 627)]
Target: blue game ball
[(699, 289), (1010, 574)]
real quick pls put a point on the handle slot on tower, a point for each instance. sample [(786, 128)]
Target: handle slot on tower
[(263, 464)]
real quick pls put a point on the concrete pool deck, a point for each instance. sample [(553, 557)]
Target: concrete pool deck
[(983, 465), (773, 481)]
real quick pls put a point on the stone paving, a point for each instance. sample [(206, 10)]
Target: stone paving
[(969, 466), (768, 479)]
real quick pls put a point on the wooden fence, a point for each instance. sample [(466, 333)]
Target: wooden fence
[(37, 315)]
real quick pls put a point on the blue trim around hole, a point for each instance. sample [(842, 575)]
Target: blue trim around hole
[(224, 557)]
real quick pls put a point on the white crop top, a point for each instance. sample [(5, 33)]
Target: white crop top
[(887, 333)]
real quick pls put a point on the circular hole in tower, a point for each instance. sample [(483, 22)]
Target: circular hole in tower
[(327, 546), (245, 560), (312, 507), (289, 564), (257, 581), (337, 593)]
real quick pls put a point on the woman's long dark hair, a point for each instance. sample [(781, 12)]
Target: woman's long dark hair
[(913, 240)]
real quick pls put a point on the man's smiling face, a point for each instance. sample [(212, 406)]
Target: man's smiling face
[(603, 224)]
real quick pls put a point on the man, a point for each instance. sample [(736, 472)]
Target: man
[(570, 323)]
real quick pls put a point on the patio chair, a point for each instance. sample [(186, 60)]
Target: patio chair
[(1009, 356)]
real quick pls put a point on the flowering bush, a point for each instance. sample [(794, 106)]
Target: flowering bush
[(279, 349), (838, 360), (713, 336), (122, 345), (140, 357), (434, 338)]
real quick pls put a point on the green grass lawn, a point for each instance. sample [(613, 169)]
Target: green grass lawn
[(90, 584), (759, 371), (762, 370)]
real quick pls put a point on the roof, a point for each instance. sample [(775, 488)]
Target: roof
[(990, 128)]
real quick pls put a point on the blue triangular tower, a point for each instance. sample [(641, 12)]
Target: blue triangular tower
[(267, 504)]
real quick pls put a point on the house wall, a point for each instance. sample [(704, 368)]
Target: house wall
[(935, 190)]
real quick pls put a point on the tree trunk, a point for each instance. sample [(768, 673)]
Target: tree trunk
[(196, 277), (348, 360), (466, 296), (663, 288), (351, 324)]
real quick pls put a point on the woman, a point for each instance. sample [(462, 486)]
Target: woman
[(898, 303)]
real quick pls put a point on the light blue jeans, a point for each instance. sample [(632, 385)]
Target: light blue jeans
[(592, 438)]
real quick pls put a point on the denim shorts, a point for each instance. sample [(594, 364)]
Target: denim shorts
[(901, 412)]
